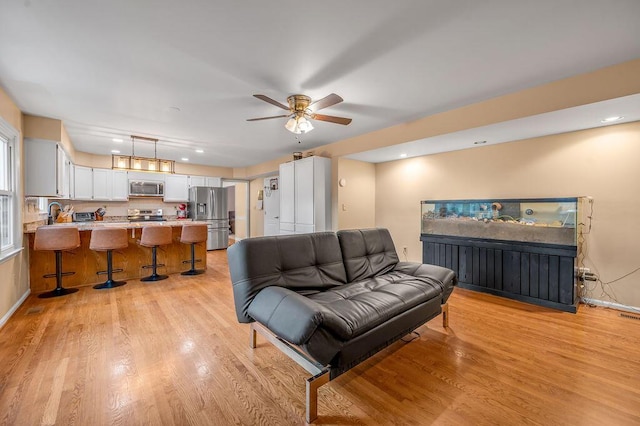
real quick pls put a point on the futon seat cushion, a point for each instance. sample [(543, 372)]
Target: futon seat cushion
[(358, 307)]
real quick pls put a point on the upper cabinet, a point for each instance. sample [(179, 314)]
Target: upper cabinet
[(197, 181), (176, 188), (305, 195), (205, 181), (47, 169), (120, 185), (100, 184), (83, 183), (213, 181)]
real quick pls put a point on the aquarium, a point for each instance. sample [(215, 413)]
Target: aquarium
[(541, 220)]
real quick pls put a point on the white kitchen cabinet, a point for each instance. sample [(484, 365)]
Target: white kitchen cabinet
[(305, 195), (287, 197), (63, 169), (197, 181), (119, 185), (47, 169), (176, 188), (101, 184), (213, 181), (83, 183)]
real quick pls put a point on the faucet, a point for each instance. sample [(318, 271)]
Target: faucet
[(51, 204)]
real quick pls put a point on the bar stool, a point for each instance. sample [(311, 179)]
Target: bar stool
[(109, 239), (193, 234), (57, 239), (154, 236)]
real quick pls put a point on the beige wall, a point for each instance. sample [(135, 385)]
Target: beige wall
[(50, 129), (14, 283), (357, 198), (602, 163)]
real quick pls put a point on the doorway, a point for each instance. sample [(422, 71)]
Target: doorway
[(238, 205)]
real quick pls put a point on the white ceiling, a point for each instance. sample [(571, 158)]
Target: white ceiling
[(184, 72)]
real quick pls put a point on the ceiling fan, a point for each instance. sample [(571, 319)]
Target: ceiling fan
[(301, 110)]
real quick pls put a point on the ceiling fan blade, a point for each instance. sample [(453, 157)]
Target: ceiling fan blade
[(267, 118), (331, 119), (325, 102), (271, 101)]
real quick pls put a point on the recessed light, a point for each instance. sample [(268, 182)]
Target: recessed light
[(117, 140), (403, 155), (199, 151), (185, 159), (479, 142), (612, 119), (115, 151)]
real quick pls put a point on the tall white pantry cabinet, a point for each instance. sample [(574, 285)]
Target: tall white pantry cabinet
[(305, 195)]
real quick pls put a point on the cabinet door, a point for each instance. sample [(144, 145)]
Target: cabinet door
[(287, 197), (62, 173), (197, 181), (176, 188), (83, 182), (304, 195), (40, 158), (119, 185), (101, 184), (213, 181)]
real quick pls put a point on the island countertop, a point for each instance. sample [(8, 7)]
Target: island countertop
[(86, 263), (87, 226)]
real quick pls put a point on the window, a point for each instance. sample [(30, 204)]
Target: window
[(10, 227)]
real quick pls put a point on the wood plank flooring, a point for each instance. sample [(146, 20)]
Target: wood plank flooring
[(173, 353)]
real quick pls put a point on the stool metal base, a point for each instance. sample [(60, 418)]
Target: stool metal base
[(192, 261), (193, 272), (154, 277), (57, 292), (109, 284)]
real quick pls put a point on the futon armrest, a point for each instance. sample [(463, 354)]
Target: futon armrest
[(445, 278), (287, 314)]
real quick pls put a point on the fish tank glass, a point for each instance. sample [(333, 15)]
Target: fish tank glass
[(542, 220)]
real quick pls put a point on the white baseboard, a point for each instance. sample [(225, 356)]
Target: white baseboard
[(14, 308), (611, 305)]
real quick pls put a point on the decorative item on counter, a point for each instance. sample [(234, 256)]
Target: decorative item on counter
[(66, 215), (181, 211), (100, 213)]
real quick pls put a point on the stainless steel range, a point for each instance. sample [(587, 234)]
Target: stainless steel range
[(138, 215)]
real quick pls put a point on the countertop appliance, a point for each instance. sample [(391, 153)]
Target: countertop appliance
[(84, 216), (209, 204), (138, 215), (151, 188)]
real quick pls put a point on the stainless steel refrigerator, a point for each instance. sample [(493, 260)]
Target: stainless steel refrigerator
[(208, 204)]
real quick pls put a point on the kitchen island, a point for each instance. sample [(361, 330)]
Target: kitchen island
[(86, 262)]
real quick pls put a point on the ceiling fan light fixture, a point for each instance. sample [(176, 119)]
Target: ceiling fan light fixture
[(298, 125)]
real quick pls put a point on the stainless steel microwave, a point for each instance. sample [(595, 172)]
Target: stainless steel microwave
[(138, 188)]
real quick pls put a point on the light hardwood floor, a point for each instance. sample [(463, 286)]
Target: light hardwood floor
[(172, 352)]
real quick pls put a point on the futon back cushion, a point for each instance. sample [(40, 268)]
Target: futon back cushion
[(304, 263), (367, 252)]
